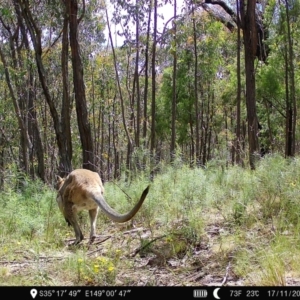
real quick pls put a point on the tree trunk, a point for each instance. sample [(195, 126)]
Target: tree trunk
[(22, 9), (129, 139), (174, 100), (146, 76), (288, 108), (37, 149), (239, 91), (153, 104), (137, 79), (197, 113), (26, 143), (66, 160), (291, 111), (250, 44), (78, 81)]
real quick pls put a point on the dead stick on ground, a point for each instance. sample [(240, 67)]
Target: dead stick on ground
[(134, 230), (100, 242), (226, 275), (145, 246)]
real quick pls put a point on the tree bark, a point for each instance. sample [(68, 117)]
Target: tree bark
[(66, 161), (145, 119), (291, 109), (137, 79), (153, 104), (197, 113), (78, 81), (174, 100), (247, 13), (239, 91)]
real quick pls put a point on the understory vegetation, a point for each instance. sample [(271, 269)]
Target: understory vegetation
[(202, 226)]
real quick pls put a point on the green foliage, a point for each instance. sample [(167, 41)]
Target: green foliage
[(213, 64), (250, 218), (30, 214)]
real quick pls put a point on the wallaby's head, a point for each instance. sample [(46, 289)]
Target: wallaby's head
[(60, 181)]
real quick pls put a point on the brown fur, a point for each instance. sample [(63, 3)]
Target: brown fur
[(83, 189)]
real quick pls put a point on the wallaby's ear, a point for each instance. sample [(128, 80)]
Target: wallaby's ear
[(58, 178), (59, 182)]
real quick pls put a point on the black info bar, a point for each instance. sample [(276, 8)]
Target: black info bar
[(138, 292)]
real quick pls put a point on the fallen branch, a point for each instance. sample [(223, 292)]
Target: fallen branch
[(134, 230), (96, 250), (146, 245), (226, 275), (45, 259)]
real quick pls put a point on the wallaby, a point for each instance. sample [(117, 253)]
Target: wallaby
[(83, 189)]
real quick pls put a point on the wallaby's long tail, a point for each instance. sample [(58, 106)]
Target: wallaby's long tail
[(115, 216)]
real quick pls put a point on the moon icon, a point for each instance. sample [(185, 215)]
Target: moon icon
[(215, 293)]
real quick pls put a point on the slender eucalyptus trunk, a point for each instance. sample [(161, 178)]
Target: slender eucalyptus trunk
[(174, 100), (247, 12), (79, 88)]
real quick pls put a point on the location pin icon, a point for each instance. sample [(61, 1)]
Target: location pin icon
[(33, 293)]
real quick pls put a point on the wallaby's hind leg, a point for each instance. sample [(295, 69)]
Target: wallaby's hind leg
[(71, 216), (93, 218)]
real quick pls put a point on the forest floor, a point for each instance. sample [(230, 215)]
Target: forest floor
[(156, 263)]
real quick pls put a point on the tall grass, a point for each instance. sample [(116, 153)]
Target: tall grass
[(248, 218)]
